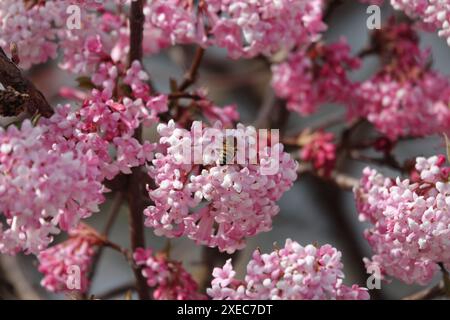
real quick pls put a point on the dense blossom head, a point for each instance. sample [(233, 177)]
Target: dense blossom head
[(52, 174), (410, 220), (106, 125), (211, 202), (40, 28), (169, 279), (404, 98), (291, 273), (43, 187), (245, 28), (320, 150), (434, 13), (315, 75), (32, 30), (61, 263)]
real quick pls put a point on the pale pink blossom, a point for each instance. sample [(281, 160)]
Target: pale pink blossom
[(33, 31), (106, 126), (215, 204), (291, 273), (410, 220), (434, 14), (62, 263), (405, 97), (44, 187), (40, 29), (169, 279), (314, 76), (245, 28)]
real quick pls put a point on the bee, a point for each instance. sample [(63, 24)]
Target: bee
[(228, 152)]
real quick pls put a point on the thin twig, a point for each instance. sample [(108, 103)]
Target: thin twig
[(266, 109), (388, 160), (125, 252), (342, 180), (367, 52), (183, 95), (191, 75)]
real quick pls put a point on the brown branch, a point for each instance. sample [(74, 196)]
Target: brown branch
[(387, 160), (191, 76), (125, 252), (11, 76), (136, 224), (136, 31), (134, 186)]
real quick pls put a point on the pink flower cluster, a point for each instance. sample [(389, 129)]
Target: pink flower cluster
[(33, 30), (405, 98), (169, 279), (412, 108), (44, 187), (41, 28), (291, 273), (435, 14), (245, 28), (316, 75), (103, 39), (106, 126), (320, 150), (215, 204), (62, 263), (410, 220), (52, 174)]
